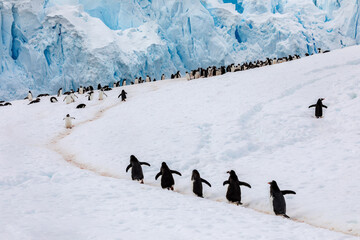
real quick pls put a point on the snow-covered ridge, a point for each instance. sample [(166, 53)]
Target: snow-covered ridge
[(49, 44), (201, 124)]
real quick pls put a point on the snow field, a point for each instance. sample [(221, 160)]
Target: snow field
[(254, 122)]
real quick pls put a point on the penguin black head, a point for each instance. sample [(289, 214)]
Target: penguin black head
[(133, 159), (274, 185), (320, 100), (195, 174), (67, 115)]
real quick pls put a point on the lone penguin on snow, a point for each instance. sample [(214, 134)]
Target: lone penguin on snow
[(29, 96), (68, 121), (318, 108), (123, 95), (233, 193), (136, 171), (197, 183), (278, 200), (167, 180)]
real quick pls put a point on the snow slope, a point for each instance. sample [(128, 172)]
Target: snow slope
[(60, 184), (47, 44)]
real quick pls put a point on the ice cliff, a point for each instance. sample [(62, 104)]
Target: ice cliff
[(47, 44)]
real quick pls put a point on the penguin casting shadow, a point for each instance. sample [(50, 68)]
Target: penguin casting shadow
[(278, 200), (233, 193), (197, 183), (167, 180), (136, 170), (318, 108)]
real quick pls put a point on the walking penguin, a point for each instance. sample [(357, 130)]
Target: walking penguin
[(123, 95), (136, 171), (278, 200), (197, 183), (318, 108), (68, 119), (167, 180), (233, 193)]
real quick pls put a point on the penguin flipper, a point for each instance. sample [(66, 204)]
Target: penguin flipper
[(128, 167), (287, 192), (175, 172), (314, 105), (286, 216), (226, 182), (144, 163), (324, 106), (244, 184), (158, 175), (204, 181)]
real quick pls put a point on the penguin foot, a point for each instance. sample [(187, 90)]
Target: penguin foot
[(142, 182), (238, 203), (172, 188)]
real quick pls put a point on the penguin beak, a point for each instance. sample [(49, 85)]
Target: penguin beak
[(228, 172), (269, 182)]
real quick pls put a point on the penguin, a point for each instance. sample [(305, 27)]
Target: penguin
[(278, 200), (72, 94), (6, 104), (29, 96), (136, 171), (167, 180), (136, 81), (163, 77), (69, 99), (60, 91), (101, 94), (81, 90), (318, 108), (81, 105), (187, 76), (233, 193), (178, 75), (35, 101), (91, 88), (53, 99), (154, 80), (2, 101), (68, 119), (123, 95), (148, 79), (90, 95), (43, 95), (197, 183), (124, 82)]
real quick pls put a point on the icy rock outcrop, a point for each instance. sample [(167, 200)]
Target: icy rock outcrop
[(48, 44)]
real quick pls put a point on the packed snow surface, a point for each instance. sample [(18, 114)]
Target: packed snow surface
[(59, 183), (47, 44)]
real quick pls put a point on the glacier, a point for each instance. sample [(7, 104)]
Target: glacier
[(48, 44)]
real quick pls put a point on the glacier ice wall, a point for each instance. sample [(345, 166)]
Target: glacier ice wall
[(47, 44)]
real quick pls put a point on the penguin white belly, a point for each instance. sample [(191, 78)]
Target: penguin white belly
[(81, 91), (68, 100), (68, 123), (101, 96)]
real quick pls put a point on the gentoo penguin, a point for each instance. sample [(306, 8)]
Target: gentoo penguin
[(318, 108), (81, 90), (90, 95), (43, 95), (136, 81), (35, 101), (136, 171), (167, 180), (29, 96), (187, 76), (68, 123), (148, 79), (163, 77), (197, 183), (53, 99), (278, 200), (69, 99), (60, 91), (123, 95), (81, 105), (124, 82), (233, 193), (101, 94)]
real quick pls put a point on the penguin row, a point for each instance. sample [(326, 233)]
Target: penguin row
[(70, 96), (233, 193)]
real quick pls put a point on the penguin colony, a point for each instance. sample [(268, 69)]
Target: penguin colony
[(233, 193)]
